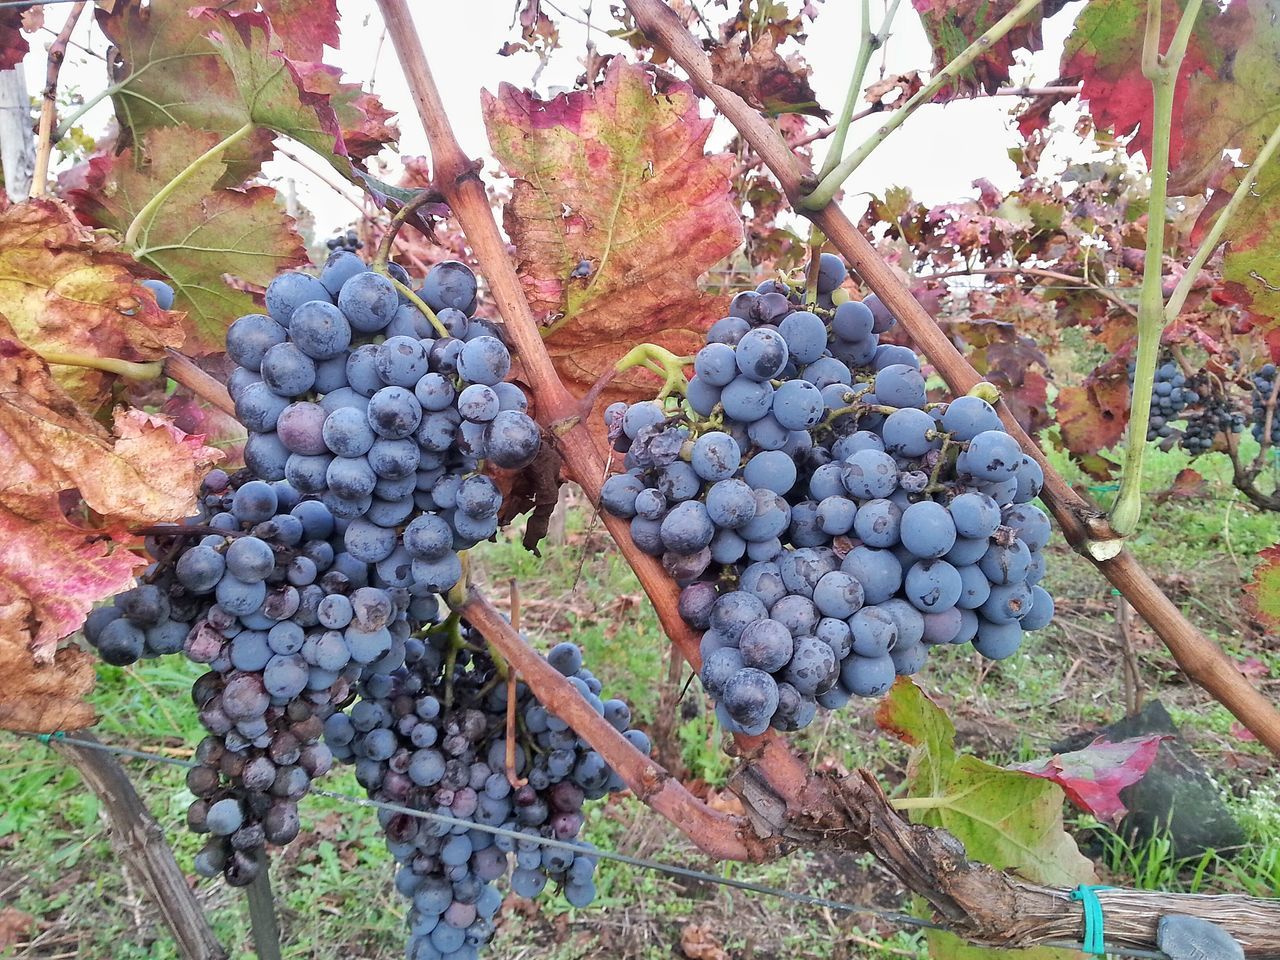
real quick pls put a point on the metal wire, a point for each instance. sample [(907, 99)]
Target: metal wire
[(30, 3), (892, 916)]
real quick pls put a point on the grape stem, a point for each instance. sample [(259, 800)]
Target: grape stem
[(121, 368), (661, 361), (149, 210), (407, 292), (816, 240), (398, 220), (871, 42), (832, 180), (1162, 72)]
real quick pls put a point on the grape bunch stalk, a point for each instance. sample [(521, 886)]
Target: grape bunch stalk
[(829, 525), (433, 735)]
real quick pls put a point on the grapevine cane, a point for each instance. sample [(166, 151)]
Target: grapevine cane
[(1162, 71)]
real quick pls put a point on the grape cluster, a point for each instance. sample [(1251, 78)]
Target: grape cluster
[(1214, 414), (432, 736), (1170, 395), (351, 394), (828, 524), (254, 589), (308, 573), (345, 241), (1264, 382)]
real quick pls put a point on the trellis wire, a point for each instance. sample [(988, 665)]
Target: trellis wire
[(892, 916)]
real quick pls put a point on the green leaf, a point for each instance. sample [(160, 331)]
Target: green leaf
[(169, 74), (201, 236), (1004, 818), (272, 89)]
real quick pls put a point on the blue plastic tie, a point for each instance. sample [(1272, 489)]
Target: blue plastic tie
[(46, 737), (1093, 940)]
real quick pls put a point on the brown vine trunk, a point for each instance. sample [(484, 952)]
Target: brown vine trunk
[(140, 842), (981, 903)]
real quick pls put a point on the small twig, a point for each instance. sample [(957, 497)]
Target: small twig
[(1133, 689), (1106, 292), (832, 180), (182, 369), (49, 108)]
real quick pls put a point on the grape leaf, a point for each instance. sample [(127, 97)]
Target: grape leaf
[(200, 235), (305, 27), (617, 176), (167, 73), (64, 288), (1250, 265), (952, 25), (1004, 818), (763, 77), (270, 85), (1092, 416), (1263, 588), (1233, 105), (363, 123), (1093, 777), (1104, 52), (61, 463), (13, 45)]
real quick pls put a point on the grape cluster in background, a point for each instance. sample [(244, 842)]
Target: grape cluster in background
[(1262, 401), (829, 525), (1208, 405), (310, 582)]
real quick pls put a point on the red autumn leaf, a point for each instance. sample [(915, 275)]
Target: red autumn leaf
[(364, 124), (1232, 104), (170, 75), (1263, 588), (1092, 416), (13, 45), (1092, 778), (66, 289), (618, 177), (1187, 485), (763, 77), (52, 569), (200, 235), (305, 27), (1241, 732), (1104, 52), (952, 25)]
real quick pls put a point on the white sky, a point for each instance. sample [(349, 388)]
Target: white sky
[(937, 153)]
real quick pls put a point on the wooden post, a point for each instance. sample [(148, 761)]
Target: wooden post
[(140, 842), (17, 142)]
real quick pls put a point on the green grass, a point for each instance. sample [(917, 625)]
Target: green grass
[(334, 884)]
